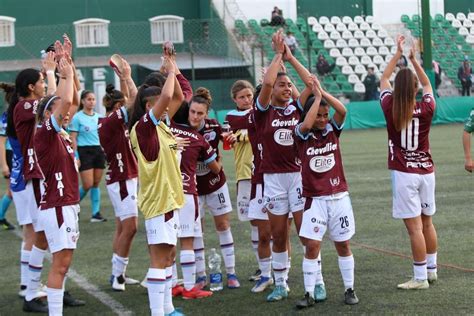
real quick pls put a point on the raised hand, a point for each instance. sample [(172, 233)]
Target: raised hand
[(65, 68), (315, 86), (400, 43), (168, 65), (287, 55), (48, 62), (278, 43), (67, 44), (168, 49), (412, 52), (126, 69), (59, 50)]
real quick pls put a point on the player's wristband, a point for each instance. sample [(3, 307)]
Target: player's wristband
[(50, 72)]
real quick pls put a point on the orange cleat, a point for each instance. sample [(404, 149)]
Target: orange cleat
[(195, 293)]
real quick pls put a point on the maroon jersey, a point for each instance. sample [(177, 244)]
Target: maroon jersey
[(255, 141), (409, 149), (208, 182), (56, 158), (321, 162), (275, 126), (114, 139), (24, 117), (198, 149)]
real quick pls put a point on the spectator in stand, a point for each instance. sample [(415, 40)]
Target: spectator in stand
[(323, 66), (371, 83), (277, 17), (290, 40), (464, 74), (437, 71)]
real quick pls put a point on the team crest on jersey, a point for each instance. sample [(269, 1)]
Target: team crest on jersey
[(87, 128), (283, 137), (335, 181), (289, 109), (322, 164), (210, 136), (27, 105), (316, 229)]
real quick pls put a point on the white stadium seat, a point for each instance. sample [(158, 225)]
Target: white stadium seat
[(359, 87), (341, 61), (346, 19), (323, 36), (365, 60), (353, 78), (376, 26), (470, 16), (382, 67), (347, 34), (360, 69), (449, 16), (347, 52), (341, 43), (388, 41), (377, 42), (393, 50), (364, 26), (312, 20), (352, 27), (460, 16), (365, 42), (329, 27), (382, 33), (456, 23), (384, 51), (470, 39), (340, 27), (335, 20), (471, 31), (369, 19), (359, 34), (329, 44), (370, 34), (324, 20), (353, 42), (358, 19), (388, 57), (353, 60), (347, 70), (359, 51), (378, 60), (334, 53), (467, 23), (318, 28), (335, 35), (376, 69), (463, 31)]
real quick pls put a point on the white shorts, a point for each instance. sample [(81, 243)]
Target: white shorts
[(163, 229), (27, 203), (413, 194), (244, 188), (283, 192), (256, 208), (189, 218), (218, 202), (123, 195), (334, 215), (61, 226)]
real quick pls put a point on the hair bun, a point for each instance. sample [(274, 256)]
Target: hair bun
[(7, 87), (204, 93), (110, 88)]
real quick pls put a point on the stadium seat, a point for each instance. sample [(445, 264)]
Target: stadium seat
[(335, 20), (365, 60), (352, 27), (365, 42), (389, 57), (346, 19), (388, 41), (347, 70), (347, 52), (382, 33), (393, 50), (354, 60), (341, 27), (353, 42), (378, 60), (460, 16), (353, 78), (318, 28), (334, 35), (377, 42), (359, 51), (383, 50), (463, 31), (324, 20), (371, 51), (415, 18), (329, 27), (370, 34), (359, 87), (467, 23), (471, 31), (341, 79), (359, 34), (329, 44), (358, 19), (449, 16), (341, 43), (264, 22), (470, 16), (382, 67), (405, 18), (312, 20), (360, 69), (376, 26), (456, 23), (364, 26), (323, 36), (346, 87), (341, 61), (347, 34), (334, 53), (369, 19)]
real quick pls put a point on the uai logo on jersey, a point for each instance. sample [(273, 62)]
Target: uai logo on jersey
[(210, 136), (322, 164), (283, 137)]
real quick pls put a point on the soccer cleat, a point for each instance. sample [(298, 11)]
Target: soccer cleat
[(319, 293), (97, 218), (232, 281), (36, 305), (414, 285), (6, 225), (177, 290), (201, 282), (131, 281), (70, 301), (256, 275), (306, 301), (176, 312), (119, 283), (262, 284), (432, 277), (41, 291), (195, 293), (279, 293), (350, 297), (144, 283)]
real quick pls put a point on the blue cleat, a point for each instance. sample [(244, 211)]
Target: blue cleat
[(279, 293), (319, 293)]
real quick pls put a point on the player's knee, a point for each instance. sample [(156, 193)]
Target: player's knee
[(312, 248), (343, 248)]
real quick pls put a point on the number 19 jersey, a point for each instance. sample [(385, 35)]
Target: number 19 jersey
[(409, 149)]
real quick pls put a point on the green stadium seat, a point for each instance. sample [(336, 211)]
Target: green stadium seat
[(416, 18), (289, 22), (445, 24), (346, 87), (341, 79), (439, 17), (264, 22), (405, 18)]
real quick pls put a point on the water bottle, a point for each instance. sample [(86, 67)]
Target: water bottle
[(225, 130), (215, 272)]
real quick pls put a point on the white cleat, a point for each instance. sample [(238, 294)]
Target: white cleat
[(144, 283), (40, 293), (130, 281), (118, 284), (262, 284), (414, 285), (432, 277)]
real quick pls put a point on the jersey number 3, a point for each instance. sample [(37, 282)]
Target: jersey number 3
[(409, 137)]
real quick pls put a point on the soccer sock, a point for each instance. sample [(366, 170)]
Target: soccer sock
[(174, 270), (319, 271), (156, 279), (168, 300), (95, 200), (24, 260), (55, 301), (188, 266), (35, 266), (279, 262), (265, 265), (254, 239), (200, 256), (64, 282), (420, 271), (82, 193), (432, 260), (288, 267), (227, 248), (310, 267), (6, 201), (346, 266), (119, 265)]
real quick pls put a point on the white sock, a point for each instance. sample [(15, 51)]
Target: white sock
[(227, 248), (64, 282), (156, 279), (174, 279), (420, 271), (188, 267), (279, 262), (288, 267), (168, 300), (265, 266), (119, 265), (24, 260), (346, 266), (200, 256), (55, 301), (254, 239), (432, 261), (35, 266), (319, 271), (310, 267)]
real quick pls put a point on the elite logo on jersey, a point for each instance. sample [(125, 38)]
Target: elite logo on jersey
[(322, 164), (283, 137)]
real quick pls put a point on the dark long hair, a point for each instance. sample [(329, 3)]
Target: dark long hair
[(404, 92), (307, 106), (23, 80), (46, 101), (112, 97), (144, 94), (202, 96), (84, 95)]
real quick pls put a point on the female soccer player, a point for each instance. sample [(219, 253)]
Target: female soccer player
[(58, 214), (160, 192), (85, 137), (26, 176), (122, 173), (275, 119), (242, 94), (410, 162), (466, 142), (328, 206)]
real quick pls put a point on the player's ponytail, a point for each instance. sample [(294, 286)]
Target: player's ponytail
[(144, 94), (112, 97), (404, 93), (202, 96)]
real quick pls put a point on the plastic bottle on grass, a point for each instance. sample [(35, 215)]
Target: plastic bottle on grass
[(215, 272)]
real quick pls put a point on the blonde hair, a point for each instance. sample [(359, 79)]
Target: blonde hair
[(238, 86)]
